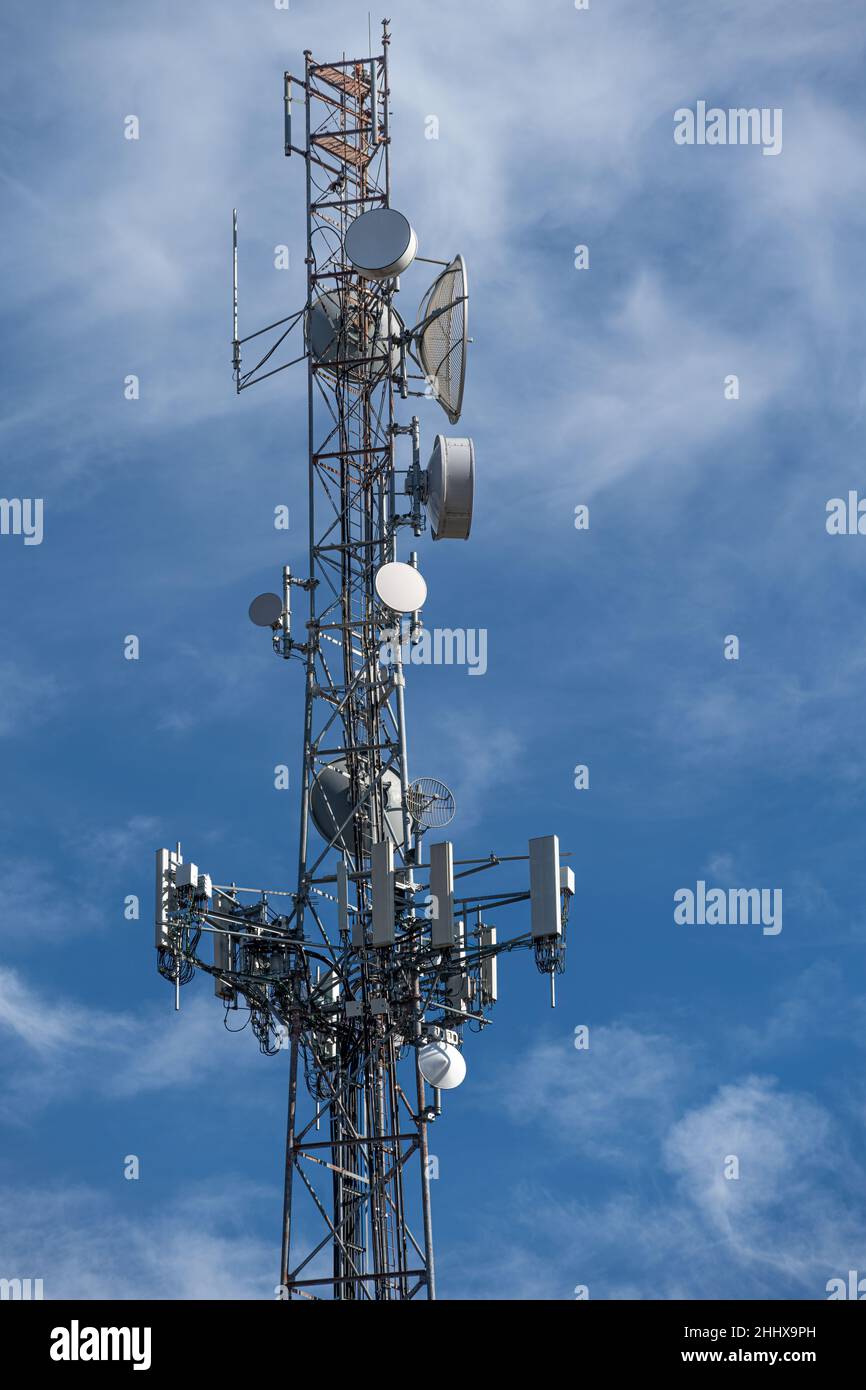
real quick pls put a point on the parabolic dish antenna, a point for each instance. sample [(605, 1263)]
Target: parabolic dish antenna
[(381, 243), (332, 806), (442, 1065), (451, 488), (335, 333), (441, 335), (266, 610), (430, 803), (400, 587)]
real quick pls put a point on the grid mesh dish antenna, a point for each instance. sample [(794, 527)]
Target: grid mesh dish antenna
[(442, 334), (430, 803)]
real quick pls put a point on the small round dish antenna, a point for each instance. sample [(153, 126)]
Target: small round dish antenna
[(400, 587), (266, 610), (442, 1065), (441, 335), (430, 803), (450, 488), (381, 243)]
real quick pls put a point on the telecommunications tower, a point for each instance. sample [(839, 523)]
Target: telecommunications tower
[(384, 957)]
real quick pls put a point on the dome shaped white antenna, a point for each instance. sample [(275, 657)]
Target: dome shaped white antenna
[(381, 244), (400, 587), (442, 1065)]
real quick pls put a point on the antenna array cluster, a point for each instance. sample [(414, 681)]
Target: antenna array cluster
[(373, 970)]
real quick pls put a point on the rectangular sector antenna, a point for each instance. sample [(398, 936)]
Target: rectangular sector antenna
[(343, 901), (544, 887), (382, 888), (166, 862), (458, 982), (488, 966), (442, 893), (222, 959), (330, 996), (186, 876), (223, 949)]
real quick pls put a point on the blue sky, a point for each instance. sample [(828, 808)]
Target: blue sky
[(558, 1167)]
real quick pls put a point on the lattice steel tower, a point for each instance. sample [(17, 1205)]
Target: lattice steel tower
[(380, 965)]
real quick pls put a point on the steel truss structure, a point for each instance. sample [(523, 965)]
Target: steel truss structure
[(378, 953)]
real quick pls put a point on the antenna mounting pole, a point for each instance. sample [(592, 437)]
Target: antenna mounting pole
[(236, 347)]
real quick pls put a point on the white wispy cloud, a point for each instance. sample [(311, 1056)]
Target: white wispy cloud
[(89, 1243), (42, 903), (477, 755), (645, 1109), (63, 1047), (587, 1100)]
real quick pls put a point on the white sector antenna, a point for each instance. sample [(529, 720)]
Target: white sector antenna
[(400, 587), (381, 243), (442, 1065), (451, 488)]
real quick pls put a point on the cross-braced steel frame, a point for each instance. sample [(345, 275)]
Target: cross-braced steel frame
[(353, 1007), (376, 1132)]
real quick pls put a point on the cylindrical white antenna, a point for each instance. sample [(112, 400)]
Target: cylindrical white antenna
[(415, 625), (287, 610)]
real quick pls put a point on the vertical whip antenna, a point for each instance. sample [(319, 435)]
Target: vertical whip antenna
[(236, 347)]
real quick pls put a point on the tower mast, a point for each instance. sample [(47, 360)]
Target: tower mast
[(371, 975)]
